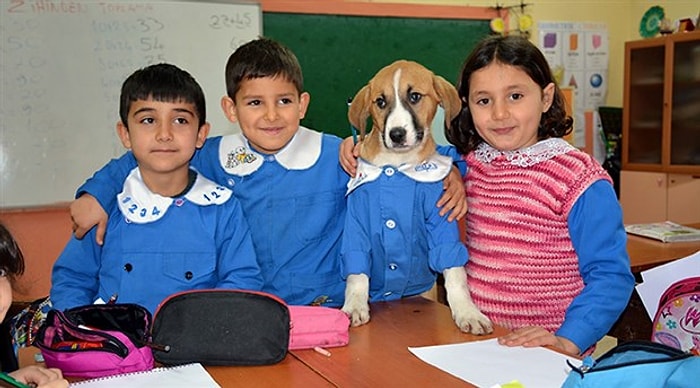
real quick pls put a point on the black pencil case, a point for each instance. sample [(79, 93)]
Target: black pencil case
[(221, 327)]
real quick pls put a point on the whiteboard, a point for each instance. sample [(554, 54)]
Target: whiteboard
[(63, 63)]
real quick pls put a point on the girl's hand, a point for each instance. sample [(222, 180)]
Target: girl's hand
[(533, 336), (348, 156), (454, 199), (86, 212), (40, 377)]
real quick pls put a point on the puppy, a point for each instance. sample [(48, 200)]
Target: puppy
[(395, 242)]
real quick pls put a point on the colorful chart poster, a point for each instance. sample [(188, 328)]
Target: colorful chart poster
[(578, 54)]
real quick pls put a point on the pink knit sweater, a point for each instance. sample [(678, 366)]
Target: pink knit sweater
[(522, 269)]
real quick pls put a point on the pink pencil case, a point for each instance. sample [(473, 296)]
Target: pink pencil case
[(313, 326)]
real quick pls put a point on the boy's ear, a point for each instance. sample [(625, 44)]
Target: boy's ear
[(123, 133), (229, 108), (304, 100), (202, 134)]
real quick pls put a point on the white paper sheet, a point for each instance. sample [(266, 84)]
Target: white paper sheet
[(486, 363), (185, 376), (657, 280)]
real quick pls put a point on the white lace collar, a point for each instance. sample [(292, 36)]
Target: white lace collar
[(526, 157), (140, 205), (238, 158), (433, 169)]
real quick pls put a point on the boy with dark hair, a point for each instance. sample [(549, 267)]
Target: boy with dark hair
[(172, 229)]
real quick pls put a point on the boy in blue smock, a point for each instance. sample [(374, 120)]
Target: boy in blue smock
[(287, 177), (171, 228)]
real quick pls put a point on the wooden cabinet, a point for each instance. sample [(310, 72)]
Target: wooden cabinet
[(659, 196), (660, 178), (661, 119)]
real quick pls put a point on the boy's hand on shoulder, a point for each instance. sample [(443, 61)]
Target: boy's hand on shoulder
[(454, 198), (348, 155), (86, 212), (533, 336)]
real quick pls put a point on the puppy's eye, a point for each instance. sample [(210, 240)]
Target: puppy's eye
[(414, 97), (381, 102)]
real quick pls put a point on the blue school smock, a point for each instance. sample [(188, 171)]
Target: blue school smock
[(293, 200), (393, 230), (156, 246)]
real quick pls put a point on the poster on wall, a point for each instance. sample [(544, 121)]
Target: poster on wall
[(578, 54)]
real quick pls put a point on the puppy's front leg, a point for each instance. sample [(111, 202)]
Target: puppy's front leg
[(357, 299), (465, 313)]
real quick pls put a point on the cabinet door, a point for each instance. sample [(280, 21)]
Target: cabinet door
[(685, 103), (683, 198), (644, 102), (643, 196)]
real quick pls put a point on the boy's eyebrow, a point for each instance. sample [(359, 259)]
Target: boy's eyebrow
[(148, 109), (144, 109)]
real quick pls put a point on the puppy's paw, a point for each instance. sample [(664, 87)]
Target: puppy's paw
[(470, 320), (464, 312), (356, 299), (357, 311)]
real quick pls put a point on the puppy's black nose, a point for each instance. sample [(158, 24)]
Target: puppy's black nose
[(397, 135)]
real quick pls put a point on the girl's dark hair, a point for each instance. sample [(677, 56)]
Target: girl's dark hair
[(515, 51), (162, 82), (260, 58), (11, 258)]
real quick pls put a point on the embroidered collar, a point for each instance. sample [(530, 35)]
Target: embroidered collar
[(433, 169), (526, 157), (237, 157), (140, 205)]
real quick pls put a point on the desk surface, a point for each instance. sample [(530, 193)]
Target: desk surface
[(646, 253), (378, 355)]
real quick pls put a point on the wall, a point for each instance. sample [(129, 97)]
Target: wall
[(621, 16), (41, 234)]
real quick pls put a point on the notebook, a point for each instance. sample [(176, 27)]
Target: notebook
[(189, 375), (665, 231)]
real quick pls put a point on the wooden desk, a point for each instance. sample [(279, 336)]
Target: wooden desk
[(647, 253), (290, 372), (378, 355)]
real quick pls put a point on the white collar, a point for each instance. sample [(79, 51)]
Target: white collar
[(433, 169), (528, 156), (237, 157), (140, 205)]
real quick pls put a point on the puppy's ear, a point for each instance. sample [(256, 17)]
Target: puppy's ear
[(359, 111), (449, 98)]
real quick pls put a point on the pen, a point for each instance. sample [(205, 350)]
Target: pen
[(353, 130), (4, 377)]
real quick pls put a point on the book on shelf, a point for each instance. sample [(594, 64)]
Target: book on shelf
[(665, 231)]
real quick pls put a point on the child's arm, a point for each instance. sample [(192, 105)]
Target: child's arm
[(74, 278), (453, 199), (98, 195)]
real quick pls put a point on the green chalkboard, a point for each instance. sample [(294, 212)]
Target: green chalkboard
[(339, 54)]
